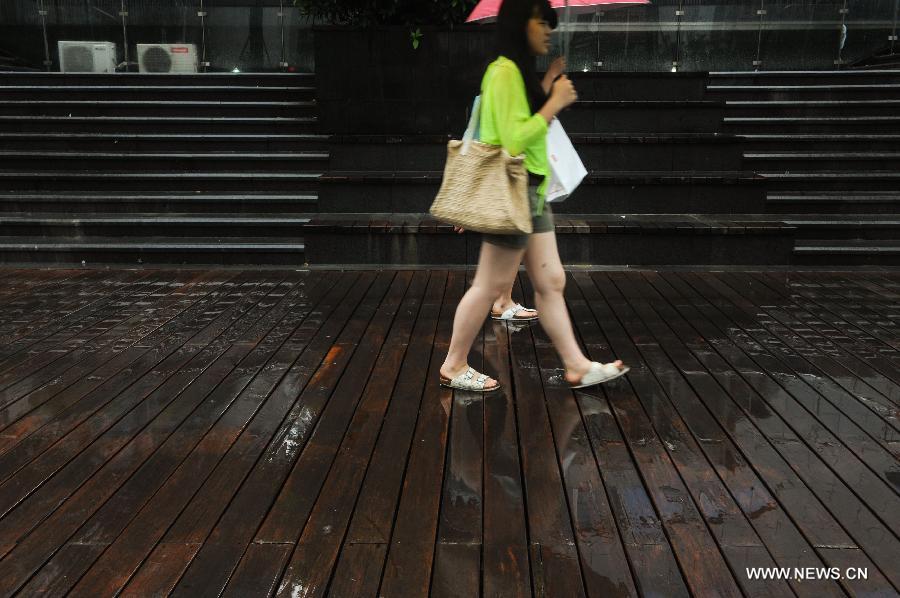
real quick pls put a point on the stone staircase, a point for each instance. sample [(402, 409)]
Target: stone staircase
[(170, 169), (665, 185), (828, 145), (684, 168)]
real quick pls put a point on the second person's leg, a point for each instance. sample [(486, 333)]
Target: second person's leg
[(549, 279), (497, 268)]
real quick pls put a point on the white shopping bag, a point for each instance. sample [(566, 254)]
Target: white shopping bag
[(566, 169)]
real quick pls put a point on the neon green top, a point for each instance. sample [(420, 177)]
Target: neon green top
[(506, 119)]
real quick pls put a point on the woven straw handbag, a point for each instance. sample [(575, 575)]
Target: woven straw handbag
[(484, 188)]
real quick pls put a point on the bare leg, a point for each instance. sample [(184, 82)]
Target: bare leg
[(506, 301), (549, 279), (497, 268)]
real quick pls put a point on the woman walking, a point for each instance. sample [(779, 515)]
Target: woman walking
[(516, 113)]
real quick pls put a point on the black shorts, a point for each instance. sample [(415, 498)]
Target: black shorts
[(540, 224)]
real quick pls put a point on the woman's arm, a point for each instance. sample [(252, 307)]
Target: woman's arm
[(547, 83), (516, 125), (557, 68)]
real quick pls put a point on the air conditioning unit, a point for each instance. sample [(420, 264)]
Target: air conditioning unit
[(87, 57), (167, 58)]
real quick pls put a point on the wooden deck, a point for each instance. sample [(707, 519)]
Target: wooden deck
[(255, 432)]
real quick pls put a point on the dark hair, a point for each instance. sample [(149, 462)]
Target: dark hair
[(512, 42)]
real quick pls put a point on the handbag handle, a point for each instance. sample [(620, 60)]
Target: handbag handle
[(472, 130)]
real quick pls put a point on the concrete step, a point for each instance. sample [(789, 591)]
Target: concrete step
[(156, 108), (230, 181), (248, 80), (834, 202), (152, 250), (119, 92), (139, 224), (844, 226), (582, 239), (844, 180), (848, 142), (781, 78), (157, 202), (49, 162), (675, 152), (157, 124), (150, 142), (793, 91), (811, 108), (792, 124), (823, 161), (842, 252), (601, 192)]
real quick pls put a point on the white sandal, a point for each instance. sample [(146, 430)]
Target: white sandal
[(470, 380), (510, 314), (599, 373)]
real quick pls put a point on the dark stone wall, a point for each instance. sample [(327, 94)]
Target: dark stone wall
[(374, 82)]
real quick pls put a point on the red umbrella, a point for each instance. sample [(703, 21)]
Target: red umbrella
[(488, 9)]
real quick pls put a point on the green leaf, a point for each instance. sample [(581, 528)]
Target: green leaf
[(416, 36)]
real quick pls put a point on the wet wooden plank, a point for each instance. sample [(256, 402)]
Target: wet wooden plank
[(169, 449), (457, 554), (872, 405), (838, 297), (29, 370), (51, 334), (373, 518), (650, 559), (505, 555), (313, 460), (750, 391), (843, 299), (744, 542), (197, 447), (35, 409), (361, 343), (815, 321), (409, 561), (75, 301), (309, 383), (186, 536), (812, 518), (704, 563), (313, 563), (835, 305), (90, 393), (156, 467), (602, 557), (358, 571), (34, 292), (457, 570), (826, 429), (199, 330), (555, 564)]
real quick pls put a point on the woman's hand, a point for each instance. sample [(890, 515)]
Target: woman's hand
[(557, 68), (563, 93)]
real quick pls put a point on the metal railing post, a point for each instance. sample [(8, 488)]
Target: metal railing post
[(124, 14), (43, 14), (844, 11), (283, 63), (761, 12), (204, 64)]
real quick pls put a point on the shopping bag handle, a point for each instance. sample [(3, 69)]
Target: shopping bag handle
[(472, 130)]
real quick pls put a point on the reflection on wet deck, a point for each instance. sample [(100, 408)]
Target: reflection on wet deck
[(276, 432)]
